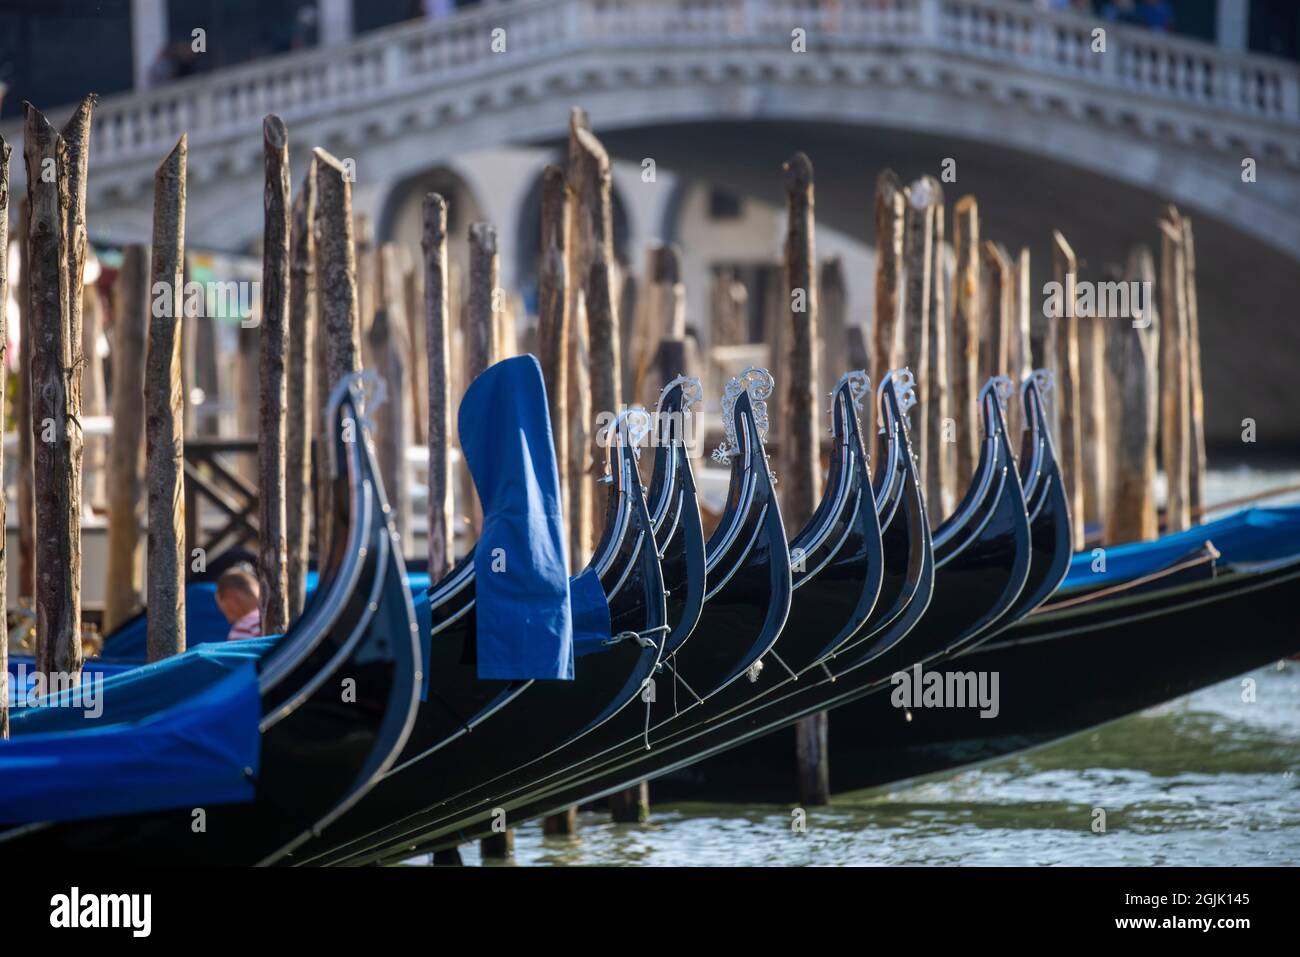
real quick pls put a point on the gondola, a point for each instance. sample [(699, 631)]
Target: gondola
[(747, 602), (910, 568), (837, 566), (329, 706), (988, 534), (515, 721), (1059, 673)]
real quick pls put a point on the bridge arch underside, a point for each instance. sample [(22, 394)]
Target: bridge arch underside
[(1248, 289)]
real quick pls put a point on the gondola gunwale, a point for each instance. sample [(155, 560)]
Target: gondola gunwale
[(150, 837)]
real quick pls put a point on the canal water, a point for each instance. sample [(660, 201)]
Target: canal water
[(1208, 779)]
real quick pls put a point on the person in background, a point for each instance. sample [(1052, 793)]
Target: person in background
[(1156, 15), (239, 599)]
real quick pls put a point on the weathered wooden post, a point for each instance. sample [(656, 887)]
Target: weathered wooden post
[(1020, 347), (442, 545), (631, 805), (126, 451), (1063, 338), (629, 298), (995, 286), (93, 398), (917, 262), (730, 308), (1196, 409), (366, 264), (663, 317), (76, 136), (561, 824), (299, 396), (1093, 446), (940, 488), (5, 152), (967, 308), (891, 211), (802, 477), (553, 314), (481, 344), (164, 419), (23, 415), (1175, 391), (1133, 399), (390, 348), (54, 421), (337, 305), (272, 563), (413, 309), (581, 495), (833, 323), (594, 186)]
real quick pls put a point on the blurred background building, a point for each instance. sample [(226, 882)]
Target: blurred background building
[(700, 101)]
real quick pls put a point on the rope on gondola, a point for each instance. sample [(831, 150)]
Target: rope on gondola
[(642, 638), (678, 677)]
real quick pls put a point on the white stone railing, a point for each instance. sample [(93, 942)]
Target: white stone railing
[(427, 56)]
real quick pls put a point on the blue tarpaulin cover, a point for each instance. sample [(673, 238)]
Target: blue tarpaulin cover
[(203, 750), (591, 624), (1251, 535), (522, 607)]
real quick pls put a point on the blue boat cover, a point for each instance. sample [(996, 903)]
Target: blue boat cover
[(119, 692), (1251, 535), (522, 606), (201, 751), (591, 625)]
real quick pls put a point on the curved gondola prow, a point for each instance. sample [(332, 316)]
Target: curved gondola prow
[(992, 471), (1051, 542), (1004, 530), (844, 532), (375, 669), (675, 510), (907, 523), (644, 615)]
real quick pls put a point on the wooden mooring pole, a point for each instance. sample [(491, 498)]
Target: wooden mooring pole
[(1020, 348), (966, 311), (891, 211), (390, 349), (553, 313), (940, 483), (126, 449), (802, 477), (164, 419), (55, 423), (299, 396), (23, 416), (592, 181), (1132, 367), (272, 566), (1063, 340), (553, 354), (1175, 389), (437, 317), (338, 309), (1093, 387), (1196, 409), (5, 152), (917, 262)]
